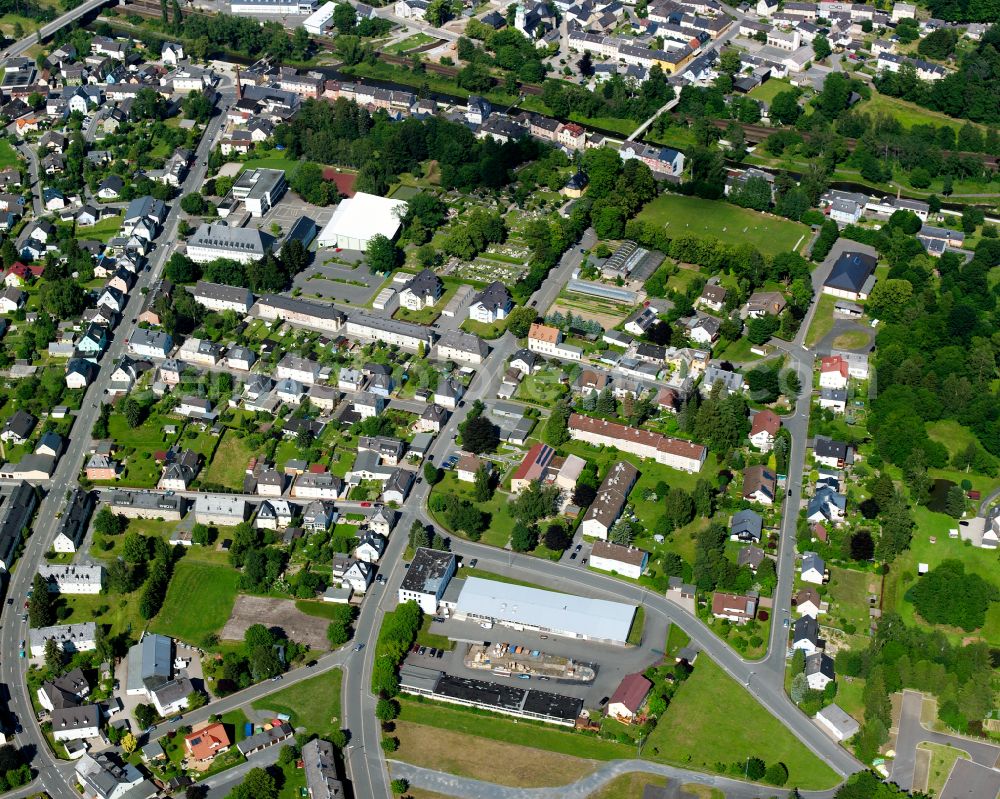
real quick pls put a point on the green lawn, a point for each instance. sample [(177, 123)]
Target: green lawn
[(268, 159), (497, 728), (903, 571), (199, 601), (638, 625), (484, 330), (8, 155), (739, 351), (426, 638), (848, 598), (677, 639), (943, 759), (320, 609), (228, 467), (953, 435), (693, 734), (410, 43), (501, 522), (734, 225), (850, 696), (542, 388), (769, 89), (102, 231), (908, 114), (650, 473), (313, 703), (119, 611), (822, 321)]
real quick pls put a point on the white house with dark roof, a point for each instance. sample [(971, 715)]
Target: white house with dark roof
[(491, 305), (421, 291)]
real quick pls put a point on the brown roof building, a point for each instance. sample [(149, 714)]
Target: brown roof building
[(206, 743), (629, 696), (673, 452), (735, 608)]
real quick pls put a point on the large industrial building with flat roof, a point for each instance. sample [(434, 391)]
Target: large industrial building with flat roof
[(427, 578), (510, 700), (360, 219), (525, 608)]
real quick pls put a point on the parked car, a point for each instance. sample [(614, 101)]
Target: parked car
[(359, 647), (573, 556)]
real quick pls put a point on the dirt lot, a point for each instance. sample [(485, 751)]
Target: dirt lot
[(275, 613)]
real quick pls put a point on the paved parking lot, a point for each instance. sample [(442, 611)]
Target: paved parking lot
[(610, 662), (338, 282)]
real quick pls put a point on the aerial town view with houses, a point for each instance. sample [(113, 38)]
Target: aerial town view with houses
[(593, 399)]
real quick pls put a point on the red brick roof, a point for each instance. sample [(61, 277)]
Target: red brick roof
[(765, 420), (534, 463), (207, 742), (673, 446), (834, 363), (631, 692)]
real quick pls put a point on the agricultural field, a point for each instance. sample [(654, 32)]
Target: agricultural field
[(729, 223)]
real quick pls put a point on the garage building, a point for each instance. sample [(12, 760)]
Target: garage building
[(359, 219), (525, 608)]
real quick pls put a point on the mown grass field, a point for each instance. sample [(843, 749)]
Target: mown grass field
[(228, 467), (691, 735), (903, 574), (313, 703), (729, 223), (199, 601)]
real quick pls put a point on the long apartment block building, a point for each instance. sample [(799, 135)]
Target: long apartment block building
[(673, 452)]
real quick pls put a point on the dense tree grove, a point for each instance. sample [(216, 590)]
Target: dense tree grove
[(898, 657), (936, 352), (343, 133), (947, 595)]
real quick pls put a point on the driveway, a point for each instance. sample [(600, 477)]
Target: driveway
[(841, 326)]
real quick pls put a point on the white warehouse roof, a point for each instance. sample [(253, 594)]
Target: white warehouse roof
[(363, 217), (320, 17), (565, 614)]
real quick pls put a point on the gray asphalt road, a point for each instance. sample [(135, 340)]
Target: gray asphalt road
[(54, 775), (913, 732), (365, 759)]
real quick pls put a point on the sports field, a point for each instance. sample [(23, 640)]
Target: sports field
[(729, 223)]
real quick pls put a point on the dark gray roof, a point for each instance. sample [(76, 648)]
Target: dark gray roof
[(850, 271)]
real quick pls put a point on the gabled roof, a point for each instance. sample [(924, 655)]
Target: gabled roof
[(631, 692)]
